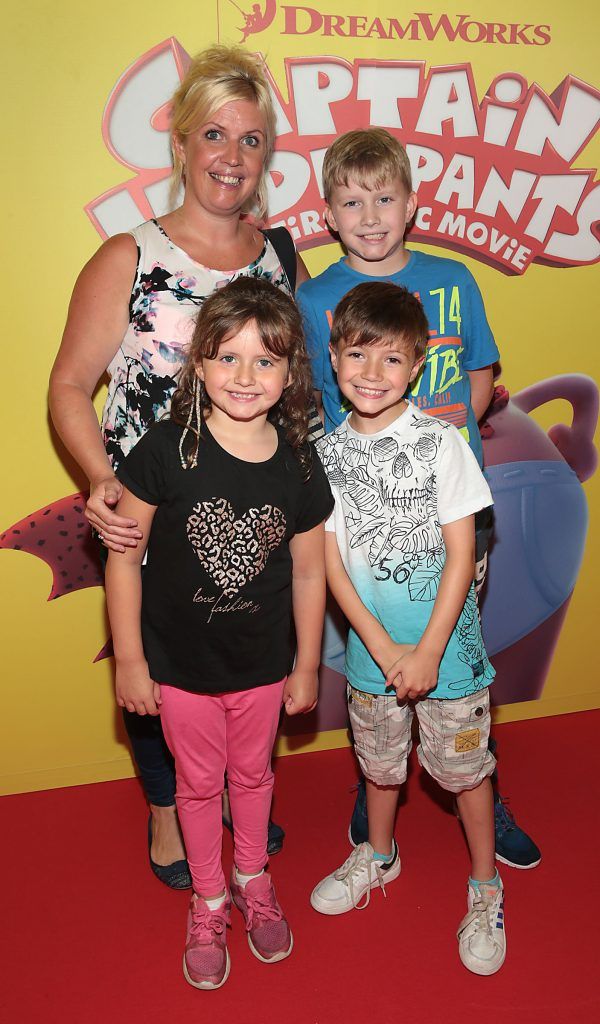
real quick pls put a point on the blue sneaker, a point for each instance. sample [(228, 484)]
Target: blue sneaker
[(513, 846), (358, 831)]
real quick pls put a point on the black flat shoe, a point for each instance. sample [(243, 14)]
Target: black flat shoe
[(175, 875), (275, 836)]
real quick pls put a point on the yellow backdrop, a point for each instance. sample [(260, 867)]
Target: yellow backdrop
[(61, 64)]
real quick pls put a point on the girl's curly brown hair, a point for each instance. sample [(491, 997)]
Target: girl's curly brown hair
[(279, 325)]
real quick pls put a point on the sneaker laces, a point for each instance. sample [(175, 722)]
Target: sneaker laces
[(358, 861), (479, 916), (207, 923), (505, 819), (263, 906)]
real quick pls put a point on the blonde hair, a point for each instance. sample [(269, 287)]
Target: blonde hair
[(219, 75), (369, 156)]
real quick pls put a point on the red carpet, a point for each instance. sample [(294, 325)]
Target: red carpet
[(90, 937)]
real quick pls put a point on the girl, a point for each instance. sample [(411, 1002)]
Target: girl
[(233, 502)]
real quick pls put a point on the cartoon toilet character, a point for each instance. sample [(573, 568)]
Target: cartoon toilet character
[(540, 528)]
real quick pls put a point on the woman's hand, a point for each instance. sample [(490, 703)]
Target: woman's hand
[(300, 692), (116, 532), (135, 690)]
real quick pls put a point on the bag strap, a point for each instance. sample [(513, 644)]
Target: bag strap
[(283, 244)]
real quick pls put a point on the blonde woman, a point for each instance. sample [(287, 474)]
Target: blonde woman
[(132, 315)]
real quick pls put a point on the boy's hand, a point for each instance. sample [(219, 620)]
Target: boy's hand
[(300, 692), (135, 690), (392, 655), (414, 674)]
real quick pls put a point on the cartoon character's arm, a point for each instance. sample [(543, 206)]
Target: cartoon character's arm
[(574, 442)]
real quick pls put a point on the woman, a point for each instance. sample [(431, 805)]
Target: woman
[(131, 314)]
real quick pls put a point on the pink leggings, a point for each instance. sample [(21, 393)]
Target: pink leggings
[(208, 735)]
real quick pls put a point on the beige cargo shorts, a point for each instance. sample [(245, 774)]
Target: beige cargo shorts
[(453, 745)]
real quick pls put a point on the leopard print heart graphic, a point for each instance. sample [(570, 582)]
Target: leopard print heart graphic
[(233, 551)]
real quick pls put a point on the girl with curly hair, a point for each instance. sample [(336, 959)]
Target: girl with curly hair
[(233, 502)]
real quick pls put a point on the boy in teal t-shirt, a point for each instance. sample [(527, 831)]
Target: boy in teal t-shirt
[(399, 558), (367, 186)]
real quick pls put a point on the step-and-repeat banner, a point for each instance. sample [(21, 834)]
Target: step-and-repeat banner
[(500, 120)]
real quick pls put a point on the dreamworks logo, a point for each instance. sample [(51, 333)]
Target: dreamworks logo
[(421, 27), (256, 17)]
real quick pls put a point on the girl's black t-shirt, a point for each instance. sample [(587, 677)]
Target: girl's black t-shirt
[(217, 588)]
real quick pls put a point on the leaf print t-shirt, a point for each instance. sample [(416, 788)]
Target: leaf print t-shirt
[(216, 593), (167, 293), (393, 492)]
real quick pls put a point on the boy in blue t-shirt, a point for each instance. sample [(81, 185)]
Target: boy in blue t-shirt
[(367, 186)]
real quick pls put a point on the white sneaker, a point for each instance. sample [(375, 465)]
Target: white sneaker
[(344, 889), (481, 934)]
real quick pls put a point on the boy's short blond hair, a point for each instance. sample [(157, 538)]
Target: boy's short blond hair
[(371, 157)]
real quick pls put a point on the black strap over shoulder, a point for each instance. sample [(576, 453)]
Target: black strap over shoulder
[(283, 244)]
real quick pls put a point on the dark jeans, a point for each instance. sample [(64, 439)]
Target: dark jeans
[(152, 757), (150, 752)]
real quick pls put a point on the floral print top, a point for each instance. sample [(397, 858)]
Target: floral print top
[(168, 290)]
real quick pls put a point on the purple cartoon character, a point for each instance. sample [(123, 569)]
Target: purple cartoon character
[(541, 524)]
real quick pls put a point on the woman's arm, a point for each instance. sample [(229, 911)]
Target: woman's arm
[(135, 690), (308, 599), (96, 323)]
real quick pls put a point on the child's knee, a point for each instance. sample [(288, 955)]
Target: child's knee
[(250, 777)]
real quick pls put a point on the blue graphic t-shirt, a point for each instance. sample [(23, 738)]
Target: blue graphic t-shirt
[(460, 338), (393, 492)]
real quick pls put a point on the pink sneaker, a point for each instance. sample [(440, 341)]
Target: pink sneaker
[(269, 935), (206, 958)]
